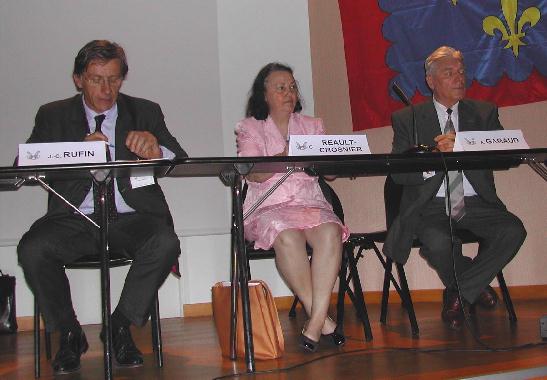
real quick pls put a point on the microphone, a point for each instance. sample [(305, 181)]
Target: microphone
[(400, 93), (417, 148)]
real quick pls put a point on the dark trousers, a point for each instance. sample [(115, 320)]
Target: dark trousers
[(500, 233), (53, 242)]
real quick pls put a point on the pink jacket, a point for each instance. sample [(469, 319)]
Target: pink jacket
[(262, 138)]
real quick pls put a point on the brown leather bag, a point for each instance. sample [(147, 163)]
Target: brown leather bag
[(268, 338)]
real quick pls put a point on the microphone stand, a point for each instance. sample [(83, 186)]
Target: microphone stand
[(417, 148)]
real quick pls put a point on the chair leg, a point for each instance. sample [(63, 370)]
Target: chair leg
[(36, 339), (47, 336), (507, 298), (407, 299), (292, 311), (234, 293), (156, 332), (342, 286), (401, 287), (358, 293), (385, 290)]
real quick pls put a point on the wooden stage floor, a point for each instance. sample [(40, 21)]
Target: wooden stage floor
[(191, 350)]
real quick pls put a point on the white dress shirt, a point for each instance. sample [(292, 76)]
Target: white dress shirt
[(468, 190)]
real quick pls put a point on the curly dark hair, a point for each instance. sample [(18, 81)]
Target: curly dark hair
[(257, 106), (101, 50)]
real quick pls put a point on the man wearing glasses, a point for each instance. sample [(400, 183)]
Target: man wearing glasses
[(140, 223)]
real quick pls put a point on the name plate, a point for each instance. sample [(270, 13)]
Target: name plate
[(326, 145), (489, 140), (80, 152)]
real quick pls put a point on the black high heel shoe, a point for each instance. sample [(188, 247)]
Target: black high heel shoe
[(307, 343), (336, 338)]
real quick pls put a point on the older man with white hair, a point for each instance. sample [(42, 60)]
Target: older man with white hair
[(474, 204)]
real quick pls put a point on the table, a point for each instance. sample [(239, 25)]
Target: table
[(232, 169)]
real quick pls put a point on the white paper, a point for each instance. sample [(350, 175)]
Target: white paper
[(145, 179)]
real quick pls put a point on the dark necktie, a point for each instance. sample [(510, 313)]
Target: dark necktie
[(111, 202), (455, 181)]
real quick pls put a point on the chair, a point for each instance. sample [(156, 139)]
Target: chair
[(348, 263), (392, 197), (355, 245), (117, 259)]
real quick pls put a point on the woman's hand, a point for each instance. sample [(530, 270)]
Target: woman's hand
[(263, 177), (259, 177)]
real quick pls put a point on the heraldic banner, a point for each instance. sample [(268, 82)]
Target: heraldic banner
[(504, 43)]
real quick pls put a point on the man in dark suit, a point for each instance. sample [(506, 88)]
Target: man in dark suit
[(424, 209), (140, 225)]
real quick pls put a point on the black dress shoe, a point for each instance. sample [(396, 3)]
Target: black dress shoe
[(452, 313), (73, 344), (488, 299), (125, 351)]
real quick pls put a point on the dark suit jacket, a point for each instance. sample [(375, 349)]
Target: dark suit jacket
[(473, 115), (65, 120)]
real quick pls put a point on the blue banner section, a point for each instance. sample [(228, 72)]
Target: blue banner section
[(496, 37)]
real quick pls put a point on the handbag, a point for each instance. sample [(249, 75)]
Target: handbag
[(268, 338), (8, 320)]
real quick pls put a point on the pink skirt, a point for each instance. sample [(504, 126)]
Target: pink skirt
[(263, 225)]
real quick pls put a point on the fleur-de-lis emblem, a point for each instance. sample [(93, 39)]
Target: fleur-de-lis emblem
[(512, 33), (454, 2)]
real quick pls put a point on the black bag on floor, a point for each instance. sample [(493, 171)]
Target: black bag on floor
[(8, 320)]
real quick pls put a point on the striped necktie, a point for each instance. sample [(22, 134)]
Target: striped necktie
[(455, 181)]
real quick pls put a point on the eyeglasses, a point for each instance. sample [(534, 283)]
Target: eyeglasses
[(282, 88), (452, 73), (96, 80)]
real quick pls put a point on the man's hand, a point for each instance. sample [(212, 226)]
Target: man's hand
[(96, 136), (143, 144), (445, 143)]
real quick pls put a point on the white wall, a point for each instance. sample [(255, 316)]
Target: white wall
[(253, 33), (197, 59)]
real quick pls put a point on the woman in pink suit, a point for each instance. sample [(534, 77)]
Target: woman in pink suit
[(296, 213)]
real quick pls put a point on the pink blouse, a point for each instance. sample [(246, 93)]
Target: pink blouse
[(295, 197)]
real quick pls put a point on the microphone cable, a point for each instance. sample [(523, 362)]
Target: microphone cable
[(372, 351), (453, 251)]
